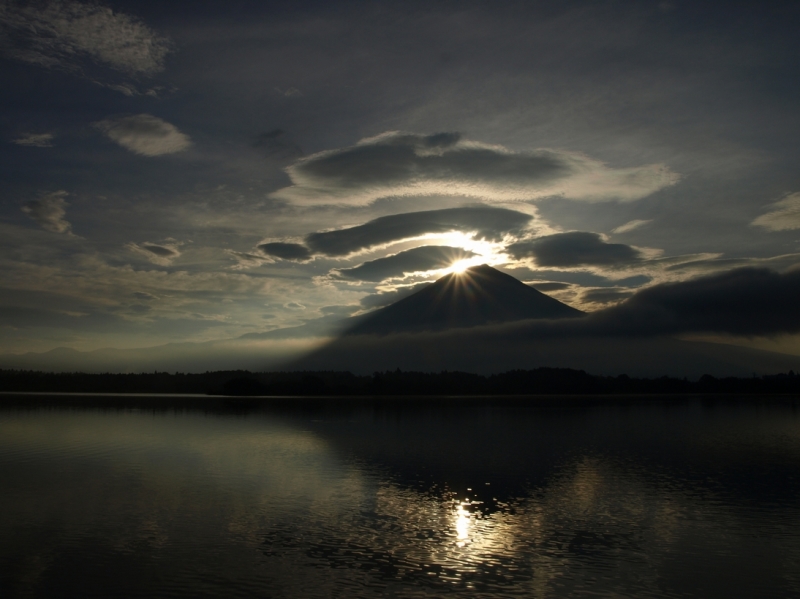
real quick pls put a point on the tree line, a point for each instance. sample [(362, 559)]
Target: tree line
[(540, 381)]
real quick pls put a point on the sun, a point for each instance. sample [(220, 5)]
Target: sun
[(460, 266)]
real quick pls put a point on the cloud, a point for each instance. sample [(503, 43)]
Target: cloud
[(143, 295), (712, 263), (545, 286), (398, 164), (161, 254), (49, 212), (606, 295), (290, 92), (35, 140), (145, 134), (247, 260), (61, 34), (631, 225), (582, 278), (338, 310), (577, 248), (744, 301), (285, 251), (420, 259), (784, 216), (486, 222)]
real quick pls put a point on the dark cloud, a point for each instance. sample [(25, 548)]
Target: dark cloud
[(745, 301), (378, 300), (578, 248), (397, 163), (285, 251), (427, 257), (398, 158), (159, 250), (157, 253), (487, 223)]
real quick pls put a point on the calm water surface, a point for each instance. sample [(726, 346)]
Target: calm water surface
[(671, 498)]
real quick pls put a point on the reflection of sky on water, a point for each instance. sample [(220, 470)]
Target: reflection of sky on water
[(643, 501)]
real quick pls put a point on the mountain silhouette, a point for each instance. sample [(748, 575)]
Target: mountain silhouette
[(480, 295)]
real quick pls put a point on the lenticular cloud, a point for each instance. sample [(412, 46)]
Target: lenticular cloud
[(401, 164)]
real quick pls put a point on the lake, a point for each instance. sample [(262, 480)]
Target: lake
[(657, 497)]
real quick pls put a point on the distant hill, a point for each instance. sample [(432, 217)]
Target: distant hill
[(480, 295)]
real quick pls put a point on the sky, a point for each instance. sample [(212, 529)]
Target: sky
[(202, 171)]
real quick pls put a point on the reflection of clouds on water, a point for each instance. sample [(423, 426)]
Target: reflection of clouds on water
[(259, 502)]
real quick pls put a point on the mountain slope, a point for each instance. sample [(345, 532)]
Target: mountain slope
[(480, 295)]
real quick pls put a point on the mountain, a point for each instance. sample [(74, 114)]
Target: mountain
[(485, 321), (478, 296)]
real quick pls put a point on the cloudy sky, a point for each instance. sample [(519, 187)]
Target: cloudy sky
[(195, 171)]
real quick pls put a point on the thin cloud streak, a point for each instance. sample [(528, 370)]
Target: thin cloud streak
[(35, 140)]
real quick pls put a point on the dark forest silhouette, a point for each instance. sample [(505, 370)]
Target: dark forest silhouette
[(541, 381)]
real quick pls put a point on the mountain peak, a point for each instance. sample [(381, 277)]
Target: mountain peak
[(479, 295)]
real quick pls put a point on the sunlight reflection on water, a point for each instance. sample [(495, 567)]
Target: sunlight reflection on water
[(682, 500)]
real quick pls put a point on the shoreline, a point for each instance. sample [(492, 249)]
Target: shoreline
[(11, 400)]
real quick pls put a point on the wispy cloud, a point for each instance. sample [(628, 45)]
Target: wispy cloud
[(49, 211), (60, 34), (145, 134), (631, 225), (402, 164), (35, 140), (785, 215)]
